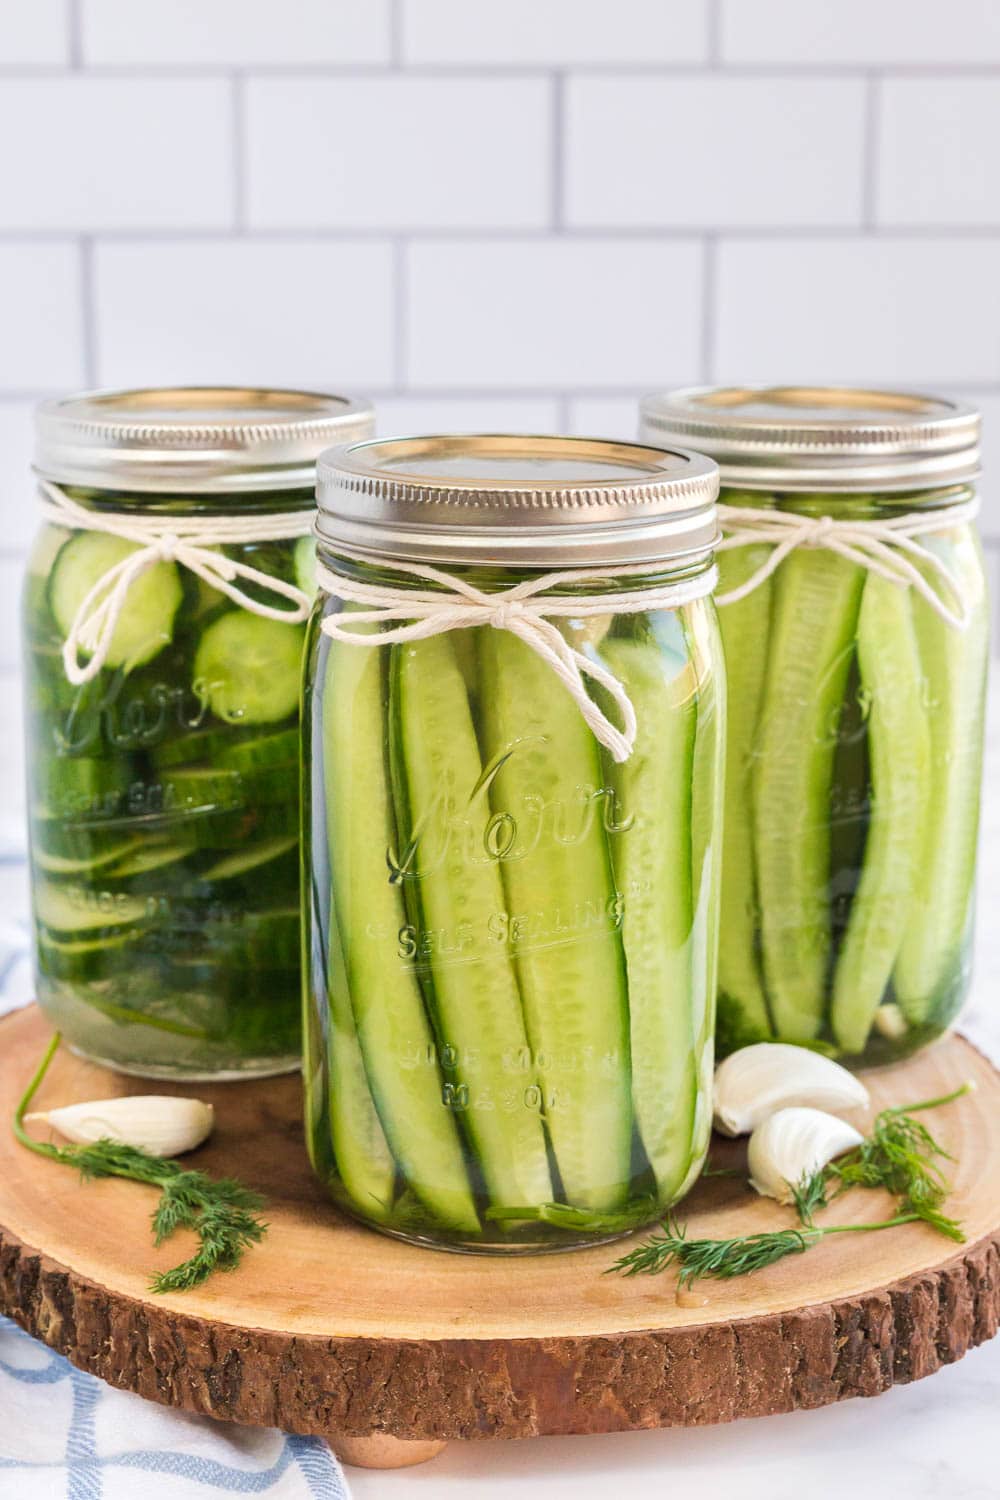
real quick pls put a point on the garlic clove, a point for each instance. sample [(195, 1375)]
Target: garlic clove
[(156, 1123), (792, 1144), (755, 1081)]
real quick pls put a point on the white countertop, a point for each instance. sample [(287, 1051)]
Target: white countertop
[(934, 1440)]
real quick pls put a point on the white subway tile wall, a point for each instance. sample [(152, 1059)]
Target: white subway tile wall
[(516, 214)]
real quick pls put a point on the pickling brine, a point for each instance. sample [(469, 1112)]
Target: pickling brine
[(512, 932), (164, 786), (857, 672)]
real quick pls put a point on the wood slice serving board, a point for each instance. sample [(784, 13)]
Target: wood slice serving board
[(328, 1328)]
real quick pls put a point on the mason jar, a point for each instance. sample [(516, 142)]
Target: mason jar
[(163, 632), (854, 617), (514, 713)]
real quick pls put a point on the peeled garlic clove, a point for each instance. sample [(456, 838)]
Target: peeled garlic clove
[(793, 1144), (755, 1081), (152, 1122)]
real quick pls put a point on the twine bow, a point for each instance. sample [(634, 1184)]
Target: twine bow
[(885, 546), (190, 543), (525, 610)]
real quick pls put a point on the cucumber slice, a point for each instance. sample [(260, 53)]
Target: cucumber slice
[(66, 864), (932, 958), (83, 960), (71, 911), (201, 746), (248, 668), (188, 789), (899, 751), (816, 601), (707, 808), (455, 893), (146, 624), (652, 864), (77, 786), (237, 827), (304, 564), (850, 803), (360, 1149), (745, 629), (249, 859), (147, 857), (563, 914), (396, 1040), (261, 752)]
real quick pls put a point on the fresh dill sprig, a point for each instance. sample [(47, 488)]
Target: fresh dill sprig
[(738, 1256), (809, 1195), (899, 1155), (222, 1213), (902, 1156), (719, 1258)]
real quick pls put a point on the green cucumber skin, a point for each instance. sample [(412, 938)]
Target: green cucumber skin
[(364, 1161), (933, 956), (574, 991), (454, 888), (745, 627), (707, 821), (146, 626), (117, 815), (813, 625), (899, 751), (653, 868), (369, 913)]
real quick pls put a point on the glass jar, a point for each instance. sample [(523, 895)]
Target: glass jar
[(511, 932), (163, 791), (855, 734)]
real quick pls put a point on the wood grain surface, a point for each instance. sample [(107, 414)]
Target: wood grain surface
[(329, 1328)]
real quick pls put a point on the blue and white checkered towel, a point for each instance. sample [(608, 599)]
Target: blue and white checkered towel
[(68, 1436)]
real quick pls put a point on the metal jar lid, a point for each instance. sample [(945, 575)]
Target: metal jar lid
[(193, 439), (517, 499), (797, 437)]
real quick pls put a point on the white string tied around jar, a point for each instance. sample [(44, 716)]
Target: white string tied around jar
[(525, 610), (885, 546), (189, 541)]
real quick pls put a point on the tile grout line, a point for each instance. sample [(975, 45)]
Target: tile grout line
[(713, 37), (88, 318), (620, 234), (871, 147), (557, 158), (238, 126), (74, 25), (400, 279), (709, 282), (149, 68), (396, 33)]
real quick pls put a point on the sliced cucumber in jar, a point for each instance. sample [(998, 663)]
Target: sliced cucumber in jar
[(745, 627), (69, 911), (146, 625), (397, 1043), (899, 752), (249, 668), (652, 864), (931, 967), (813, 627), (246, 861), (305, 564), (261, 751), (454, 892), (546, 788)]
